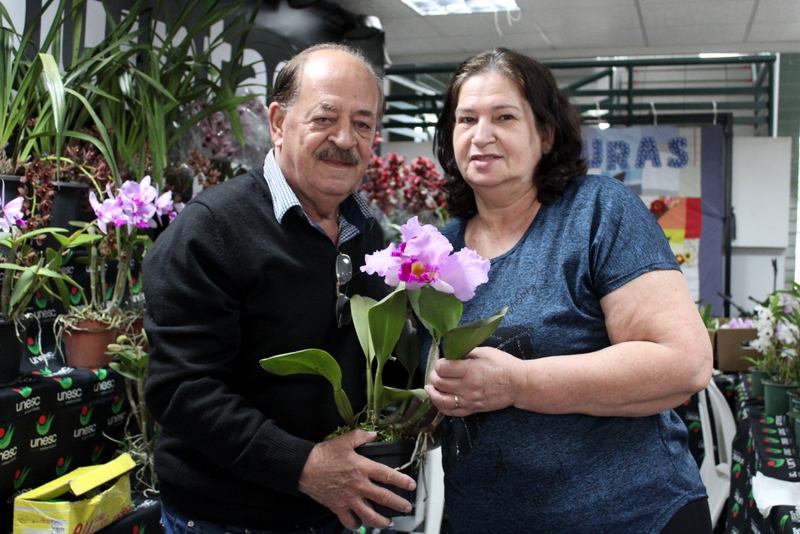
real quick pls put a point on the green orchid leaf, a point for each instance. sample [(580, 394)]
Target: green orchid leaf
[(36, 271), (386, 321), (315, 362), (394, 396), (34, 233), (123, 370), (359, 310), (80, 240), (459, 341), (438, 311), (22, 285), (408, 348)]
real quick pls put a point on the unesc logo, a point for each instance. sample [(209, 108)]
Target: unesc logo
[(28, 404), (6, 433), (70, 395)]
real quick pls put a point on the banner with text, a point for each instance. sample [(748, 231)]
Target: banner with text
[(678, 172)]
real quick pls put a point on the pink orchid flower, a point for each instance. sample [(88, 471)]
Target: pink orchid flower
[(109, 212), (12, 214), (425, 258)]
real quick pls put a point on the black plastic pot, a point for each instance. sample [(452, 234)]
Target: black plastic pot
[(392, 454), (11, 353)]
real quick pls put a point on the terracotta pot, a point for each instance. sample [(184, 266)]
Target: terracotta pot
[(393, 454), (85, 345)]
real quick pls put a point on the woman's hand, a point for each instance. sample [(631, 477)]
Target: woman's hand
[(486, 380)]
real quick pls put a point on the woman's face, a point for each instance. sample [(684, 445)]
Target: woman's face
[(495, 138)]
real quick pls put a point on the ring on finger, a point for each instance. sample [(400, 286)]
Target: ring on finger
[(455, 398)]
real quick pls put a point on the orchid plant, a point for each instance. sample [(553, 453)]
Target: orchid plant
[(777, 324), (26, 269), (432, 281), (114, 235), (396, 190)]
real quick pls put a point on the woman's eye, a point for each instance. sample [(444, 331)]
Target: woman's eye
[(506, 117), (464, 120)]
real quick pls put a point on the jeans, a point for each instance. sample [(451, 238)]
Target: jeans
[(178, 524)]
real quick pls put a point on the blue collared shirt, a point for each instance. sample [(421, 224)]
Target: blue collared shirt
[(353, 211)]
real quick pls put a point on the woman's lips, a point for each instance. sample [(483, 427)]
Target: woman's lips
[(483, 160)]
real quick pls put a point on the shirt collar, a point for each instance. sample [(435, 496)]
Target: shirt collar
[(353, 213)]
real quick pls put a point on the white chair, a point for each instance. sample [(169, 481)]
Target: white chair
[(716, 475)]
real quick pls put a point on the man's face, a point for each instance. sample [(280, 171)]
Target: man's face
[(324, 140)]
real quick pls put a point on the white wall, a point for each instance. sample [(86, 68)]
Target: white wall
[(761, 202)]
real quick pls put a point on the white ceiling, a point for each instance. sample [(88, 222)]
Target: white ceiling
[(568, 29)]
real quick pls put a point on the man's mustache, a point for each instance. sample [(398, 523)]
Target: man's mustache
[(333, 152)]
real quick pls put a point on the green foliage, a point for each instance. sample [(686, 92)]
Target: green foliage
[(23, 277), (384, 332)]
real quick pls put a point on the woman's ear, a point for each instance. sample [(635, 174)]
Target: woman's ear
[(548, 138)]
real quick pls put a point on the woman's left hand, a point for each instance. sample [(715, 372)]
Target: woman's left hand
[(486, 380)]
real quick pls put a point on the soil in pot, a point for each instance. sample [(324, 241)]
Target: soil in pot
[(392, 454)]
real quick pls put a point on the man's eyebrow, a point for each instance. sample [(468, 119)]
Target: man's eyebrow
[(327, 106)]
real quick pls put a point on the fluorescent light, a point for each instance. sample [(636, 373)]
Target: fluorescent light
[(715, 55), (603, 125), (595, 112), (452, 7)]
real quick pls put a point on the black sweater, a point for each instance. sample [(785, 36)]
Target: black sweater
[(227, 285)]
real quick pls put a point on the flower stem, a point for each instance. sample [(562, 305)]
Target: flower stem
[(433, 355)]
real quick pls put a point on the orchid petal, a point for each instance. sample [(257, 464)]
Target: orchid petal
[(384, 263), (464, 271)]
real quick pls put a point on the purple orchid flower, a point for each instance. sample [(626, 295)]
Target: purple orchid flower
[(164, 204), (12, 214), (138, 203), (109, 212), (425, 258)]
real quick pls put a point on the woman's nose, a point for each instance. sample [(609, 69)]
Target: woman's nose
[(483, 133)]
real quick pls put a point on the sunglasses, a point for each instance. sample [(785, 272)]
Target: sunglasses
[(344, 272)]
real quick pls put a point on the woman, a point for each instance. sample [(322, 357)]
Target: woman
[(565, 423)]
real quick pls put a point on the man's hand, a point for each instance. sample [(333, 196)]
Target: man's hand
[(344, 481)]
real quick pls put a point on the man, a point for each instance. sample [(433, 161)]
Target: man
[(252, 268)]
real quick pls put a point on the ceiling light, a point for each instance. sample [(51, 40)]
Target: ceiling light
[(452, 7), (716, 55)]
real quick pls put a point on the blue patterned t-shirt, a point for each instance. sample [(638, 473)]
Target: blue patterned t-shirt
[(518, 471)]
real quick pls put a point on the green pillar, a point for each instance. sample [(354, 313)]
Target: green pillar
[(789, 126)]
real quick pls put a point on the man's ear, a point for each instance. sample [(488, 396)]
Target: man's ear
[(276, 118)]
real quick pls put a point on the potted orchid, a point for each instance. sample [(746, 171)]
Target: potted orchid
[(112, 243), (27, 270), (433, 282), (777, 323)]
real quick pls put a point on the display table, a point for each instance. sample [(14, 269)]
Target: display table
[(53, 421), (765, 461)]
